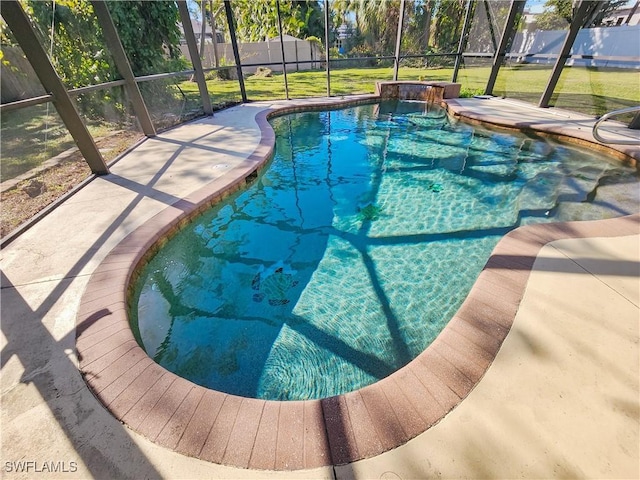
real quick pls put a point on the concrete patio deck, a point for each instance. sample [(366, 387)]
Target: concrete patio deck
[(561, 397)]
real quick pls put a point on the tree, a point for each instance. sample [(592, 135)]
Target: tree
[(449, 17), (312, 17), (488, 23), (212, 15), (210, 12), (257, 21), (428, 24), (70, 31), (417, 34), (78, 54), (301, 18), (150, 35), (557, 15), (148, 30), (375, 24)]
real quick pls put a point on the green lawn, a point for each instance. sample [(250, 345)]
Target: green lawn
[(32, 135), (588, 90), (592, 91), (29, 136)]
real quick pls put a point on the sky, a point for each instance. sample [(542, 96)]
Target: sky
[(535, 6)]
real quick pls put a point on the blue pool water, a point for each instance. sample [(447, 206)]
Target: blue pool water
[(354, 248)]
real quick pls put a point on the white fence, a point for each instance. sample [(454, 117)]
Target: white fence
[(613, 46), (306, 55)]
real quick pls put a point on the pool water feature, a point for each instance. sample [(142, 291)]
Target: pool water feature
[(349, 254)]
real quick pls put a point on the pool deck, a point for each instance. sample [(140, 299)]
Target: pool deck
[(559, 397)]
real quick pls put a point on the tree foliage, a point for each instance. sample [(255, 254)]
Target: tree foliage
[(258, 20), (417, 27), (70, 31), (77, 49), (150, 35), (487, 26), (448, 25), (429, 25), (557, 14), (310, 12), (377, 23), (375, 27)]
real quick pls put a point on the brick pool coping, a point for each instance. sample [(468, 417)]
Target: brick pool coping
[(272, 435)]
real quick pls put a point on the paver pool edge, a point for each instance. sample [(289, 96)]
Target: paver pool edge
[(259, 434)]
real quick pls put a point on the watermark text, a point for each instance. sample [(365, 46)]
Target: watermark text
[(38, 466)]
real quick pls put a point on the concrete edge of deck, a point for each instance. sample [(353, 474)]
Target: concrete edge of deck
[(242, 432), (568, 126)]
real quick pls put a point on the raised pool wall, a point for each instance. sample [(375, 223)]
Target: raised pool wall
[(424, 91)]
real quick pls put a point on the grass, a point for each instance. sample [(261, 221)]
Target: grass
[(24, 131), (306, 84), (594, 89), (32, 135), (588, 90)]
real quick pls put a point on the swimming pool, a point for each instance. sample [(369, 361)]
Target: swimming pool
[(350, 253)]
